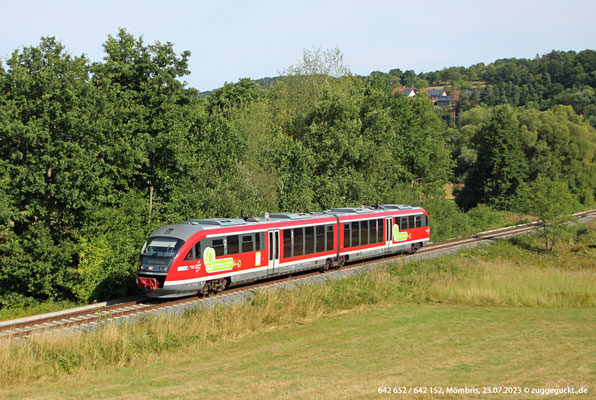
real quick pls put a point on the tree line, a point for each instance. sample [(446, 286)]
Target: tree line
[(84, 145), (556, 78), (95, 155)]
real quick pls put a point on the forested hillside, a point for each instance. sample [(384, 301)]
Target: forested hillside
[(95, 155), (556, 78)]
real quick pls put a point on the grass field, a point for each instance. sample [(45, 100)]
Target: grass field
[(351, 354), (506, 315)]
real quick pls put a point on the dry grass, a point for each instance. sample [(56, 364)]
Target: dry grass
[(351, 355), (499, 284), (35, 309)]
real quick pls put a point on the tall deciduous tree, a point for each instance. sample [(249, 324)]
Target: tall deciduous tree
[(502, 165), (148, 108), (50, 168)]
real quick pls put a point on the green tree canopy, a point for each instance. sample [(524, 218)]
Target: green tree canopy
[(551, 201), (502, 165)]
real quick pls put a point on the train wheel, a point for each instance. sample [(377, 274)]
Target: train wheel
[(204, 291), (327, 266), (213, 287), (414, 248), (341, 262), (218, 285)]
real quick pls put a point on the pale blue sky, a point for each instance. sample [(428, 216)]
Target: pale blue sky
[(235, 39)]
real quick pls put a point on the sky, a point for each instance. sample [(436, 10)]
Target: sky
[(229, 40)]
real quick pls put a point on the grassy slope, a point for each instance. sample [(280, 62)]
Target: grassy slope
[(509, 314), (35, 309), (350, 355)]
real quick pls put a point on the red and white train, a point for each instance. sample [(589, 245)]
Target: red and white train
[(207, 255)]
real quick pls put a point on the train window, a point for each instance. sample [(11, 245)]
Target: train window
[(372, 229), (233, 245), (355, 234), (347, 236), (218, 246), (403, 224), (167, 246), (329, 237), (287, 234), (424, 220), (259, 241), (411, 222), (388, 230), (418, 221), (320, 238), (198, 252), (309, 240), (270, 245), (379, 230), (298, 241), (364, 232), (189, 256), (247, 243)]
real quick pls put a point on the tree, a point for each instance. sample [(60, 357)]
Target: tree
[(501, 166), (76, 140), (409, 78), (148, 111), (334, 134), (52, 171), (551, 201), (406, 137), (303, 84), (233, 95)]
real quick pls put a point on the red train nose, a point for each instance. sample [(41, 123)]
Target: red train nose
[(147, 283)]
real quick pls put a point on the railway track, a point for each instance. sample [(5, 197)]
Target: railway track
[(86, 318)]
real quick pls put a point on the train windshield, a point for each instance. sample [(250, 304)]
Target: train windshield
[(158, 253), (162, 247)]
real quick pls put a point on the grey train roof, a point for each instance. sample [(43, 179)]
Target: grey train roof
[(187, 229)]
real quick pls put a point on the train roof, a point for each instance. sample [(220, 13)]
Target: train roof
[(187, 229)]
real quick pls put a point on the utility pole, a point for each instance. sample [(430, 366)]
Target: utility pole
[(150, 205)]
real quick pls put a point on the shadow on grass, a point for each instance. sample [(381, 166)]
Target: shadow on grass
[(528, 244)]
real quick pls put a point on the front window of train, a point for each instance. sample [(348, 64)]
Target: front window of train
[(158, 253)]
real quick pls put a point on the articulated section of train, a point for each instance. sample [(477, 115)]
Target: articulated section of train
[(207, 255)]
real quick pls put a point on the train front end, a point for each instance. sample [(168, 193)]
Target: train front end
[(159, 257)]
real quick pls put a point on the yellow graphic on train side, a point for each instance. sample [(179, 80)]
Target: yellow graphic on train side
[(214, 265), (400, 236)]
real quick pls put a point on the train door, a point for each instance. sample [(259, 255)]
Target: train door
[(388, 232), (273, 263)]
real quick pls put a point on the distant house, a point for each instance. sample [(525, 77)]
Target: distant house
[(443, 102), (435, 94), (408, 92)]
